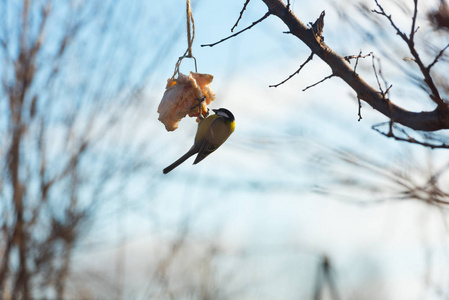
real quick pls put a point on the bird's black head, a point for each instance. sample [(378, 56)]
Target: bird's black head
[(223, 112)]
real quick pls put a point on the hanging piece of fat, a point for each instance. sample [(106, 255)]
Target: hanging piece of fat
[(182, 96)]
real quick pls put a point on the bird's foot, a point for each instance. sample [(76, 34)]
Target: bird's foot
[(200, 115)]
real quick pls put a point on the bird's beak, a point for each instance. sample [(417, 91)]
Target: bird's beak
[(215, 110)]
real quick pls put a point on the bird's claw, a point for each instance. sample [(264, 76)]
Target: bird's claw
[(206, 114), (200, 115)]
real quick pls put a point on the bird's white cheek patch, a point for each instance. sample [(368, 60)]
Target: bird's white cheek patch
[(223, 114)]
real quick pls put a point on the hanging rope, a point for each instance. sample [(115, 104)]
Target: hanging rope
[(190, 32), (190, 37)]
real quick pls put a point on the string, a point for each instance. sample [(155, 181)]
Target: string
[(190, 32), (190, 37)]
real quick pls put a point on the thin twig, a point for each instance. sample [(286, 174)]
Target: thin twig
[(241, 14), (383, 78), (412, 29), (360, 109), (384, 94), (435, 95), (324, 79), (235, 34), (377, 77), (437, 57), (357, 57), (296, 72), (408, 138), (388, 89), (383, 13)]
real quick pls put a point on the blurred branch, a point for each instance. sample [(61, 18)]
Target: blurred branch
[(324, 274), (440, 18), (53, 118), (384, 182)]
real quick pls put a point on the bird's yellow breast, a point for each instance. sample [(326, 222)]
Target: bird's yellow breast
[(232, 126)]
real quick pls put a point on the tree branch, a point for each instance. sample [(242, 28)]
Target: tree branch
[(437, 57), (357, 57), (435, 96), (296, 72), (317, 83), (237, 33), (425, 120), (407, 137), (240, 16)]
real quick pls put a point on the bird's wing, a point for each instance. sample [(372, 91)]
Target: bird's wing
[(217, 134)]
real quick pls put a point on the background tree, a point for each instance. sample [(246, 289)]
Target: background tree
[(66, 87)]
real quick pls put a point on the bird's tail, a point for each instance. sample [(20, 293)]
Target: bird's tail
[(179, 161)]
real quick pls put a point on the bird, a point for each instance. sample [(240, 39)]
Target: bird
[(212, 132)]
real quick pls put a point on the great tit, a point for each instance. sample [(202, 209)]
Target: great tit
[(211, 133)]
